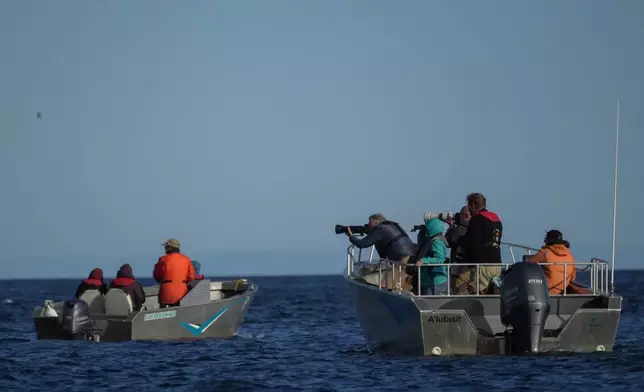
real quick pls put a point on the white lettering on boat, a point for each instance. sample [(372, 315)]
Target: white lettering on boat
[(160, 315)]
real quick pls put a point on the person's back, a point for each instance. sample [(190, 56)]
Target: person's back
[(389, 238), (173, 272), (482, 244), (556, 250), (484, 233), (395, 244), (126, 281), (93, 282)]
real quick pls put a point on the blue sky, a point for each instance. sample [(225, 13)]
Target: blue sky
[(249, 129)]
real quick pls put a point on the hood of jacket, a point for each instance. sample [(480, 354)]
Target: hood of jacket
[(434, 227), (559, 249), (125, 272), (96, 274)]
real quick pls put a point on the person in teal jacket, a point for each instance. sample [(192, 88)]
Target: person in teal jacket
[(433, 280)]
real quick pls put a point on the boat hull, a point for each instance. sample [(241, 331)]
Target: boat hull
[(401, 323)]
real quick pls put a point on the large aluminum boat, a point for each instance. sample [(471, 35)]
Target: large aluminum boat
[(522, 318)]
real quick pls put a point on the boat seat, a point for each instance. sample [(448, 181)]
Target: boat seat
[(117, 303), (96, 301)]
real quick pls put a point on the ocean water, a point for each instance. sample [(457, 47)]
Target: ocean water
[(300, 335)]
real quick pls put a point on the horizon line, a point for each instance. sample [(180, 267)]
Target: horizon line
[(232, 276)]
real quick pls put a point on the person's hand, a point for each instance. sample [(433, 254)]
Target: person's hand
[(419, 263), (348, 232)]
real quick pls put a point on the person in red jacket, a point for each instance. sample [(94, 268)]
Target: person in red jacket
[(126, 281), (93, 282), (173, 272), (482, 243)]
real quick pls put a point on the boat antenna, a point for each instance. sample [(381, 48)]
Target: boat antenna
[(612, 255)]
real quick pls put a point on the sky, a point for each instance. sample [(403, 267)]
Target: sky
[(248, 129)]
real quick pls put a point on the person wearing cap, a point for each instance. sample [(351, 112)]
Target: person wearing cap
[(555, 253), (173, 272)]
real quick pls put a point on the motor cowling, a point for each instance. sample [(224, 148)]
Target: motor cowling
[(525, 306), (76, 322)]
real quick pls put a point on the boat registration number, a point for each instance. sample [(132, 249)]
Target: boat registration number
[(160, 315)]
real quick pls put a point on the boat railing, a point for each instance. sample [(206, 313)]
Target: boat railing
[(598, 269)]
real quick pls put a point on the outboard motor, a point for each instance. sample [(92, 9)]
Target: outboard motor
[(76, 321), (525, 305)]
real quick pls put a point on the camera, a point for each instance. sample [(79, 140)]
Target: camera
[(447, 217), (417, 228), (360, 230)]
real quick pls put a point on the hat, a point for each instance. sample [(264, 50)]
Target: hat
[(554, 235), (173, 243)]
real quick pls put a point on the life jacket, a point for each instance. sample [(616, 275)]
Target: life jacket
[(122, 282), (93, 282), (173, 272), (399, 235), (95, 278)]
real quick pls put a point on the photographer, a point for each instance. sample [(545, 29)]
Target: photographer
[(391, 240), (455, 236)]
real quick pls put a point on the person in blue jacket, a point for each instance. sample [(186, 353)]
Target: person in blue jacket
[(433, 280)]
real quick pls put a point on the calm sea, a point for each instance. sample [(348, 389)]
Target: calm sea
[(300, 335)]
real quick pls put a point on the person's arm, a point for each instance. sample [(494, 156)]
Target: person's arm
[(454, 235), (369, 240), (191, 272), (439, 251), (539, 257), (159, 270)]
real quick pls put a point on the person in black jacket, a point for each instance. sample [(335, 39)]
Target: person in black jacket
[(93, 282), (483, 241), (391, 242), (455, 236), (126, 281)]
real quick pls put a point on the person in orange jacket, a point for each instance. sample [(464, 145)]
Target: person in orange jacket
[(555, 250), (173, 272)]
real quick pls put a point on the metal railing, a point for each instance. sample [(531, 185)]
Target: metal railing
[(598, 270)]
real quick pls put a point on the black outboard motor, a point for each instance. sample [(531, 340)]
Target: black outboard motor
[(525, 305), (76, 321)]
